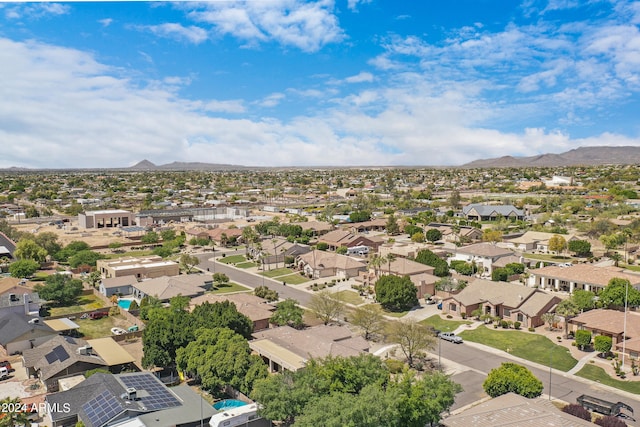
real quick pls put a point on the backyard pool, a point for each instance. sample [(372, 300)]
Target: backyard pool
[(125, 303), (228, 404)]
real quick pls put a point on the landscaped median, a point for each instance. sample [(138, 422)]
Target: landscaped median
[(524, 345)]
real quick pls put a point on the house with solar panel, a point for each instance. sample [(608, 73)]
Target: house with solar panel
[(133, 399), (63, 357)]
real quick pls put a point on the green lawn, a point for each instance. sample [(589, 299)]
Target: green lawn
[(99, 328), (598, 374), (350, 297), (294, 279), (525, 345), (232, 259), (230, 287), (549, 257), (278, 272), (443, 325), (83, 303), (247, 264)]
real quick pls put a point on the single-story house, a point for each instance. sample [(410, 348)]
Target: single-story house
[(62, 357), (534, 241), (512, 409), (421, 275), (16, 298), (336, 238), (140, 399), (19, 332), (122, 285), (482, 212), (578, 276), (164, 288), (377, 224), (318, 228), (258, 310), (508, 301), (611, 323), (318, 264), (273, 254), (453, 234), (483, 254), (286, 348)]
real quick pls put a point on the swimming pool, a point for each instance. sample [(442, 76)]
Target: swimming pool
[(228, 403), (125, 303)]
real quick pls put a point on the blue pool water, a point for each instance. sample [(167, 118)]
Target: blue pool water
[(124, 303), (227, 404)]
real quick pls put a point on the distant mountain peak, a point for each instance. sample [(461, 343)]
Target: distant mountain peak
[(144, 165)]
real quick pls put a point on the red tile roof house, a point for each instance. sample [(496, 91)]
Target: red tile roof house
[(255, 308), (611, 323), (505, 300), (578, 276), (483, 254)]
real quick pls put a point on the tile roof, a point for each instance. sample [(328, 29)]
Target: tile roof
[(488, 210), (118, 282), (586, 273), (253, 307), (320, 260), (504, 293), (167, 287), (611, 321), (484, 250)]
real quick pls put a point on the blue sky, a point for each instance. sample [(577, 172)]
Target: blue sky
[(324, 83)]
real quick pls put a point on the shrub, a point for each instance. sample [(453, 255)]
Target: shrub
[(583, 338), (517, 325), (395, 366), (464, 315), (610, 421), (504, 324), (577, 411), (449, 316)]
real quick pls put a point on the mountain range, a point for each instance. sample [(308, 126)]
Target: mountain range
[(583, 156)]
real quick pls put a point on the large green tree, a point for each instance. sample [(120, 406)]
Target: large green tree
[(220, 357), (580, 247), (23, 268), (71, 249), (441, 268), (61, 289), (289, 313), (86, 257), (617, 291), (49, 241), (585, 300), (29, 249), (222, 314), (396, 293), (512, 378)]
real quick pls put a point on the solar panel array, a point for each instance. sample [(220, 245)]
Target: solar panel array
[(58, 353), (102, 408), (157, 395)]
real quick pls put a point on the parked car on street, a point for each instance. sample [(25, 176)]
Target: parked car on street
[(450, 336)]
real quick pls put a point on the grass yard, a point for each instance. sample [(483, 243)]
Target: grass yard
[(247, 264), (228, 288), (443, 325), (294, 279), (350, 297), (99, 328), (232, 259), (598, 374), (535, 348), (83, 303), (550, 257), (278, 272)]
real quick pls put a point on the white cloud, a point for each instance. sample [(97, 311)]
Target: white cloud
[(35, 10), (191, 34), (106, 22), (272, 100), (306, 26), (353, 4), (362, 77)]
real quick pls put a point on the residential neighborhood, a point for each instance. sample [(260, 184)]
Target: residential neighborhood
[(121, 300)]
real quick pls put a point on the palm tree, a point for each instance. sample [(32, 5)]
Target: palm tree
[(375, 262), (390, 258), (567, 309)]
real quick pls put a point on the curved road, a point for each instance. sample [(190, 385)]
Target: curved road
[(471, 362)]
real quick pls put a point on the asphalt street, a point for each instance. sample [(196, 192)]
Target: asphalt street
[(469, 363)]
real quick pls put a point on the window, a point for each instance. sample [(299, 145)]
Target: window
[(520, 317), (453, 307), (507, 312)]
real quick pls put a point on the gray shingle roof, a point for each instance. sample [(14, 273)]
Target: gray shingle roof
[(488, 210), (14, 325)]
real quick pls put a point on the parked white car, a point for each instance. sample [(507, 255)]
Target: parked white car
[(450, 336), (118, 331)]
